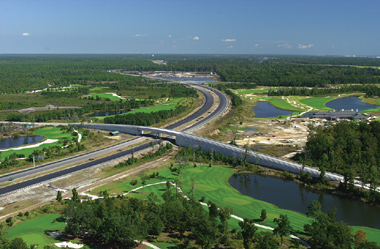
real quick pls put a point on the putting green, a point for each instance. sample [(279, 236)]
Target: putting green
[(33, 231)]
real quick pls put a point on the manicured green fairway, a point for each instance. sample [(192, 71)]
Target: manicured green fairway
[(105, 96), (34, 231), (167, 106), (281, 104), (318, 103), (48, 132), (212, 183)]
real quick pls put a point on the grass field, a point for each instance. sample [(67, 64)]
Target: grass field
[(49, 132), (280, 103), (33, 231), (317, 103), (251, 91), (212, 183), (167, 106)]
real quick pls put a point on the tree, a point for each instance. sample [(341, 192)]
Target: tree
[(224, 215), (324, 231), (17, 243), (105, 194), (59, 196), (75, 197), (266, 241), (263, 214), (248, 230), (192, 187), (283, 226), (360, 237)]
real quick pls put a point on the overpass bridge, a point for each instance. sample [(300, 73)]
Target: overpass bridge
[(186, 139)]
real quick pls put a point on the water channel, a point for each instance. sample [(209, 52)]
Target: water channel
[(104, 114), (16, 142), (266, 110), (293, 196)]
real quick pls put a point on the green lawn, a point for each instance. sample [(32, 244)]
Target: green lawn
[(49, 132), (318, 103), (167, 106), (33, 231), (280, 103)]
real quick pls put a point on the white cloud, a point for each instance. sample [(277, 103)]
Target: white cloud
[(300, 46), (25, 34), (170, 36), (228, 40), (195, 38), (332, 45), (257, 45), (286, 45), (139, 35), (230, 46)]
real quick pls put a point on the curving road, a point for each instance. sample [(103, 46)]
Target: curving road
[(209, 101)]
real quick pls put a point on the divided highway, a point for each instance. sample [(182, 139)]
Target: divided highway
[(209, 101)]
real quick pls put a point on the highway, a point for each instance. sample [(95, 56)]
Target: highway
[(209, 101)]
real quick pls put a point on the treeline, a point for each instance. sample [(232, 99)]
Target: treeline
[(156, 90), (283, 74), (223, 86), (369, 90), (146, 119), (66, 93), (30, 72), (348, 148), (77, 114), (235, 99)]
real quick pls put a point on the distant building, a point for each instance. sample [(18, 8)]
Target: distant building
[(336, 115)]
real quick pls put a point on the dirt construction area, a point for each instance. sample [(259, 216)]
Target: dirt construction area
[(258, 132)]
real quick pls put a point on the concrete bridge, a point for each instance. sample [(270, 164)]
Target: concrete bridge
[(185, 139)]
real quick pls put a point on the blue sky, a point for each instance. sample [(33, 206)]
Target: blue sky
[(310, 27)]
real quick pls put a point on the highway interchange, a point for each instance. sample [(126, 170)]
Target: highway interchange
[(208, 103)]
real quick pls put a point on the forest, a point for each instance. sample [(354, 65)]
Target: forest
[(369, 90), (31, 72), (348, 148)]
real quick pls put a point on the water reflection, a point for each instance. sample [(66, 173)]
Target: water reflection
[(15, 142), (266, 110), (296, 197), (348, 103)]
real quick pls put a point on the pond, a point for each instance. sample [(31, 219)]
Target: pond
[(293, 196), (348, 103), (266, 110), (103, 114), (16, 142)]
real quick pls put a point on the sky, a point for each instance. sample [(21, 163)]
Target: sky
[(305, 27)]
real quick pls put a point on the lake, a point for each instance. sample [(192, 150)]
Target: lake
[(293, 196), (16, 142), (348, 103), (103, 114), (266, 110)]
